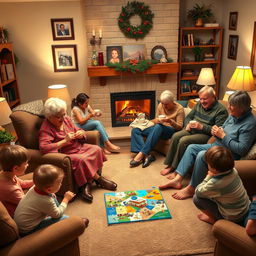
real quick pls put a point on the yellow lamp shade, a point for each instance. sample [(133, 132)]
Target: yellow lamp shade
[(242, 79), (59, 91), (5, 112)]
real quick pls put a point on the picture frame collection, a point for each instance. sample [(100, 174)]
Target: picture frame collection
[(233, 39), (64, 56)]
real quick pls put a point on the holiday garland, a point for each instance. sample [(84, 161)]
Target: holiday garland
[(133, 66), (131, 9)]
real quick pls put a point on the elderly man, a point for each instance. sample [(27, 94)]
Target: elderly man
[(198, 124)]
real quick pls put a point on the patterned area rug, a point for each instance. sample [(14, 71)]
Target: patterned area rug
[(137, 205)]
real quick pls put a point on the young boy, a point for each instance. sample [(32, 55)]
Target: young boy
[(39, 208), (221, 195), (14, 161)]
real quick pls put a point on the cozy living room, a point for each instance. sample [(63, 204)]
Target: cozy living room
[(123, 55)]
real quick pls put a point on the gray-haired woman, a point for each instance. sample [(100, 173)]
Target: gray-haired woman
[(172, 121), (59, 134)]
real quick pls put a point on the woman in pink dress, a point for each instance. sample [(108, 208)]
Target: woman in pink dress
[(59, 134)]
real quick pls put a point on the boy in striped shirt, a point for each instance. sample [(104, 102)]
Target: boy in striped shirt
[(221, 195)]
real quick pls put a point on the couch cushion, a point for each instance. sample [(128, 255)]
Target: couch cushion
[(251, 155), (8, 228), (27, 127)]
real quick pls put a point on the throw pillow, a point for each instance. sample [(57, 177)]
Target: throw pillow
[(8, 228), (35, 107), (251, 155)]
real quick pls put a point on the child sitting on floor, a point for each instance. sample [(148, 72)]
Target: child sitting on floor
[(221, 195), (39, 208), (14, 161)]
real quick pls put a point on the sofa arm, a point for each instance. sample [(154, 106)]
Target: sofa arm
[(92, 137), (233, 239), (247, 172), (58, 159), (48, 240)]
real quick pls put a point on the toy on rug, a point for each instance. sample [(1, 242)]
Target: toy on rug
[(137, 205)]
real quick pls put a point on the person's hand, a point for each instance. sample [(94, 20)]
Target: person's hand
[(70, 136), (209, 173), (68, 196), (195, 125), (79, 134), (218, 132), (188, 128)]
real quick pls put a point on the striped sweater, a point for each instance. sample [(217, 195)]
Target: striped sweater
[(227, 190)]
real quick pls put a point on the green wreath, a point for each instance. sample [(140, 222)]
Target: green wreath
[(131, 9)]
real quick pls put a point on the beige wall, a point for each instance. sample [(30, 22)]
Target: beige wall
[(30, 31)]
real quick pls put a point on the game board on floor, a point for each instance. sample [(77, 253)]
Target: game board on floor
[(137, 205)]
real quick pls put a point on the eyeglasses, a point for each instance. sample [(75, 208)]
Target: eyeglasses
[(59, 116)]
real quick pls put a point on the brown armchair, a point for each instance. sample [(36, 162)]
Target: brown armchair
[(60, 238), (231, 239), (27, 127)]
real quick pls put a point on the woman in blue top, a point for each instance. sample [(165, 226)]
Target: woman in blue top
[(81, 115), (238, 133)]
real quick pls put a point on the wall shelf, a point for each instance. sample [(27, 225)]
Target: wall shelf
[(161, 69)]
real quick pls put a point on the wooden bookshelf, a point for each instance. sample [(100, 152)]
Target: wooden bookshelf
[(160, 69)]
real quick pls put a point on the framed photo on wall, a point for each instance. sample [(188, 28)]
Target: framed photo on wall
[(253, 53), (232, 46), (64, 58), (114, 54), (233, 16), (134, 52), (63, 29)]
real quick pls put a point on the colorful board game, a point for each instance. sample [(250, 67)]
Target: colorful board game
[(137, 205)]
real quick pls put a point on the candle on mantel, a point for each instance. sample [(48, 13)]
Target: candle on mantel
[(93, 32), (100, 33)]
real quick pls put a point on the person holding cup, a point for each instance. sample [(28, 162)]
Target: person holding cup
[(169, 119), (197, 128), (82, 115)]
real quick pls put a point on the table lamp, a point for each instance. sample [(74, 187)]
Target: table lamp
[(242, 79), (5, 112), (59, 91), (206, 77)]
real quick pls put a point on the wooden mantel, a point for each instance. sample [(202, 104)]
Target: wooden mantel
[(162, 69)]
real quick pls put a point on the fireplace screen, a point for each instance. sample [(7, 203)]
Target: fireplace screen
[(125, 106)]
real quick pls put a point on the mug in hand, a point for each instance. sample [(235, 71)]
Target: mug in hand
[(161, 117), (97, 112), (192, 123)]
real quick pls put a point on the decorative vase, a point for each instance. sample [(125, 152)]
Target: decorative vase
[(199, 22), (94, 58)]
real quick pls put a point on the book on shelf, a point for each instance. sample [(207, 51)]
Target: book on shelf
[(3, 73), (9, 71), (210, 25), (6, 95), (188, 40)]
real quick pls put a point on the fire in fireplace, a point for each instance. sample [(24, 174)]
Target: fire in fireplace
[(126, 105)]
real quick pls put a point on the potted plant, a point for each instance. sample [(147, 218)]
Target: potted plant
[(198, 53), (199, 13), (5, 137)]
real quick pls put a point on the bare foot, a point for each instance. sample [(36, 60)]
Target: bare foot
[(184, 193), (166, 170), (171, 184), (171, 176), (112, 148), (206, 218), (106, 151)]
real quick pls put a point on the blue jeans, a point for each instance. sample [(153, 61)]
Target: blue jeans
[(91, 125), (194, 156), (153, 134)]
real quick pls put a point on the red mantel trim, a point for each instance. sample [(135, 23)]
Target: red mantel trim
[(162, 69)]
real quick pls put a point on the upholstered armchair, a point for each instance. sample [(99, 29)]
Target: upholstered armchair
[(231, 239), (27, 127), (60, 238)]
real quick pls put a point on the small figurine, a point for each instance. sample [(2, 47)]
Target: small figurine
[(163, 59)]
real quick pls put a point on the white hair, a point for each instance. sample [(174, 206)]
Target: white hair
[(53, 106), (167, 96), (208, 89)]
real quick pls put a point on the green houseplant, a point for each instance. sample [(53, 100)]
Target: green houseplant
[(198, 53), (6, 137), (199, 13)]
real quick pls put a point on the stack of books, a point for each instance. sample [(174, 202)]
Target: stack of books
[(188, 40)]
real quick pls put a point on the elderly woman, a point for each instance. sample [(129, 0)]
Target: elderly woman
[(237, 134), (171, 121), (59, 134)]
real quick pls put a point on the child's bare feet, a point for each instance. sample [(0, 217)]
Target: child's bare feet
[(171, 176), (184, 193), (166, 170), (251, 227), (206, 218), (172, 184)]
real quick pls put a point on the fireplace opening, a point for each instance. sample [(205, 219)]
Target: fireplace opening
[(126, 105)]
